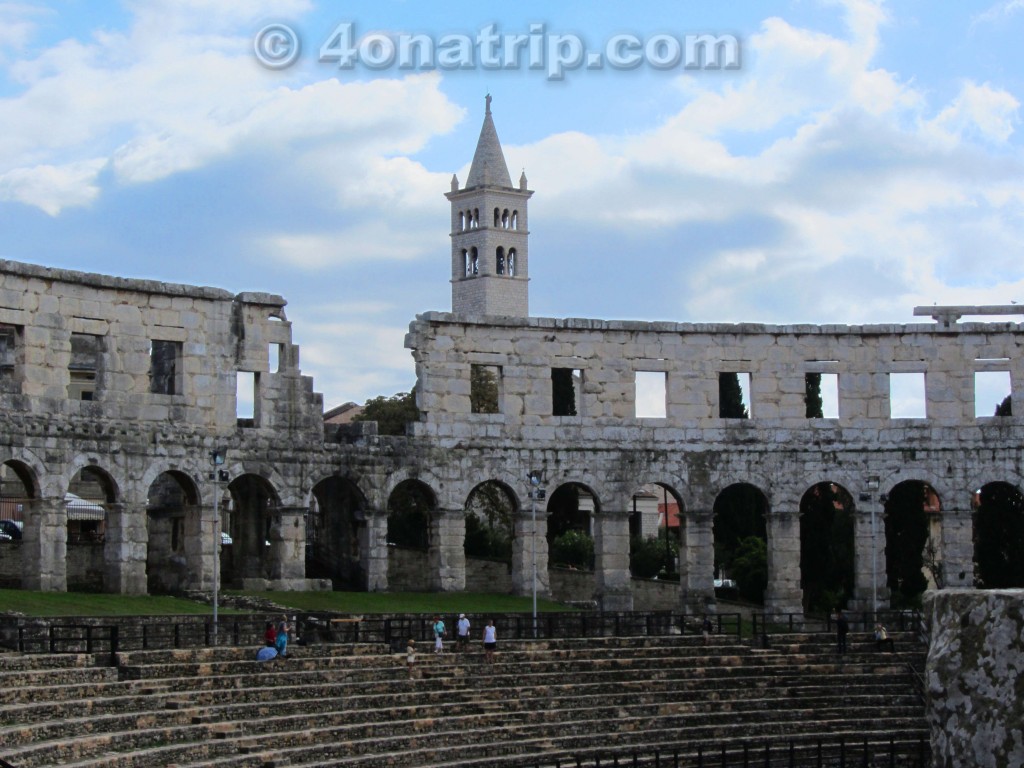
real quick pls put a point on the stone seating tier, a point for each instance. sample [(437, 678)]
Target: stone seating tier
[(355, 705)]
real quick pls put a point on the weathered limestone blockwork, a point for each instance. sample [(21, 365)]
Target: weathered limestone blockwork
[(975, 677)]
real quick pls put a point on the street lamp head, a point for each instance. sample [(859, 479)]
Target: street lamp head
[(216, 457), (535, 477)]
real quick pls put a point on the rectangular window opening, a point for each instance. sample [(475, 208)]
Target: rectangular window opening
[(650, 394), (485, 388), (245, 398), (10, 358), (734, 395), (165, 368), (84, 366), (907, 396), (566, 391), (274, 358), (822, 395), (992, 394)]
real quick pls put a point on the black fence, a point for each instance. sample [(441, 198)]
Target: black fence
[(834, 752), (113, 634)]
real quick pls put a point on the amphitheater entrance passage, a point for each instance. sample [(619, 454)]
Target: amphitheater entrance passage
[(19, 527), (246, 547), (412, 506), (826, 548), (998, 536), (173, 523), (741, 536), (655, 533), (570, 532), (93, 535), (490, 534), (337, 518), (913, 558)]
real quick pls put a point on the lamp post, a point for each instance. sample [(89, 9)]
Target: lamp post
[(873, 485), (536, 492), (216, 461)]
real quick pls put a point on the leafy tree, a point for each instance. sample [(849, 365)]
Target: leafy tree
[(647, 556), (730, 397), (999, 537), (483, 389), (489, 531), (826, 547), (1005, 408), (563, 392), (390, 413), (750, 568), (739, 513), (812, 396), (573, 548)]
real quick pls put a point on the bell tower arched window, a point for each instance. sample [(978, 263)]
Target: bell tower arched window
[(511, 262), (499, 262)]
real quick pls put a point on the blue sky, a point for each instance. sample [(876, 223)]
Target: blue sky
[(865, 157)]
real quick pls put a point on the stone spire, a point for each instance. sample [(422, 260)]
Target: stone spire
[(488, 168)]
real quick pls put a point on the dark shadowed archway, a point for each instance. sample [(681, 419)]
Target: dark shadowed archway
[(826, 547), (998, 537), (741, 536)]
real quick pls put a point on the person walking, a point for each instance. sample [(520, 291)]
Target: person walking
[(462, 636), (842, 630), (439, 633), (490, 641), (410, 656)]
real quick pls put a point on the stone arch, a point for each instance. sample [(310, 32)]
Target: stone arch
[(827, 567), (246, 516), (570, 510), (505, 219), (91, 493), (173, 525), (656, 514), (336, 533), (497, 217), (913, 550), (515, 219), (740, 515), (411, 505), (511, 262), (490, 511), (499, 261), (998, 511)]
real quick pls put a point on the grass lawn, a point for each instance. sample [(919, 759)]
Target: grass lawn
[(407, 602), (92, 604)]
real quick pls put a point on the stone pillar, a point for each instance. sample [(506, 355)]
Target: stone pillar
[(957, 548), (973, 677), (869, 575), (697, 562), (783, 594), (447, 555), (124, 549), (528, 542), (373, 544), (288, 545), (199, 542), (44, 546), (611, 563)]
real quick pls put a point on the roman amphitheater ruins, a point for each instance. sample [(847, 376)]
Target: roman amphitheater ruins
[(123, 392)]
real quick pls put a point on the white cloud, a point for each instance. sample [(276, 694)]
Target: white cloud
[(53, 188)]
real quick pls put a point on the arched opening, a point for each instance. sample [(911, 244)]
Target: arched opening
[(655, 533), (172, 511), (505, 221), (998, 536), (87, 500), (462, 221), (499, 261), (476, 218), (473, 262), (826, 548), (17, 493), (741, 541), (490, 512), (570, 533), (334, 533), (247, 521), (511, 262), (515, 219), (411, 506), (497, 217), (912, 536)]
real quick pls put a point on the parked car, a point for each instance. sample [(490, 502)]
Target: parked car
[(11, 530)]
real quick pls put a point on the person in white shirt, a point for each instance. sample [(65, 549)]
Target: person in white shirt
[(462, 638), (490, 641)]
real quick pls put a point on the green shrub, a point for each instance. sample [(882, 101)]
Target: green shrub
[(573, 548)]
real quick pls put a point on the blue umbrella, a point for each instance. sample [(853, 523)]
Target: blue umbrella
[(266, 653)]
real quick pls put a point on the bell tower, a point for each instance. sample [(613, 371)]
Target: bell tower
[(490, 261)]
